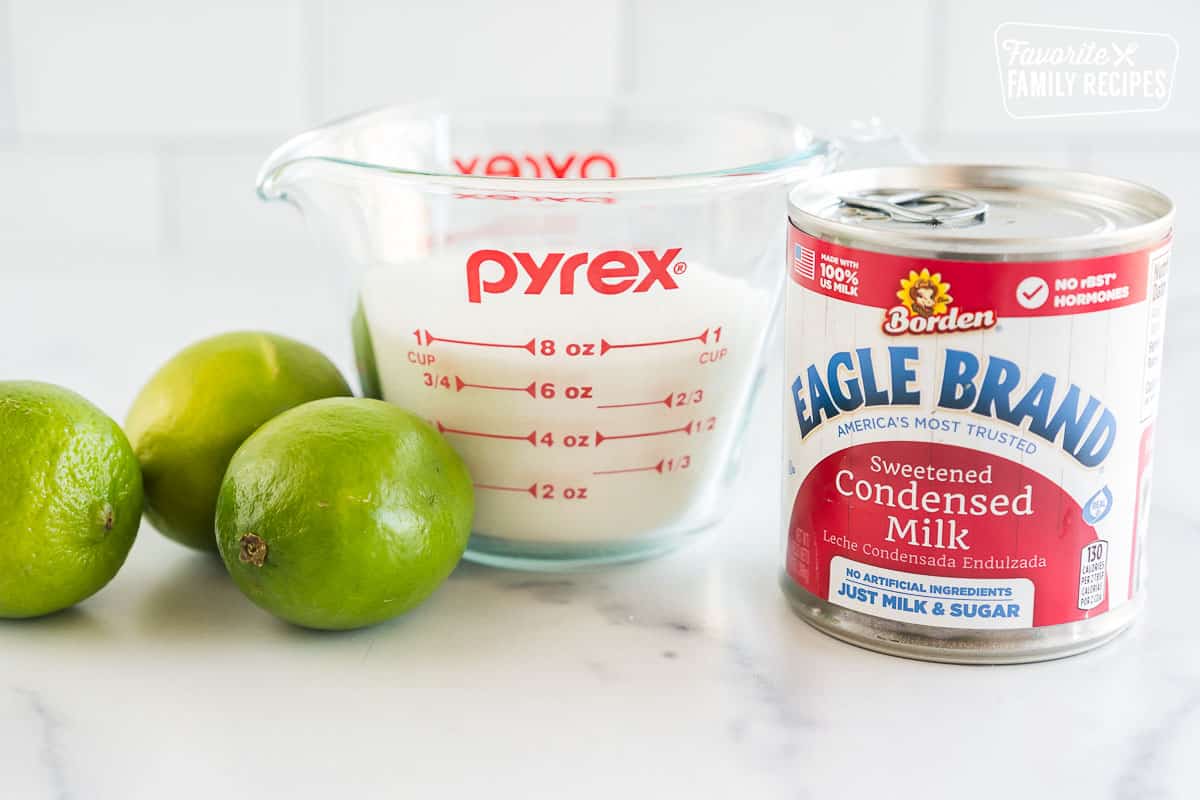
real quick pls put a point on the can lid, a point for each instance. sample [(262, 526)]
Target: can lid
[(988, 212)]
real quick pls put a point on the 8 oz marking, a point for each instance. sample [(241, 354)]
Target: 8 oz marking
[(549, 347)]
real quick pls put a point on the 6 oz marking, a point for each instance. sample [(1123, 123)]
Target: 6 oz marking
[(548, 391)]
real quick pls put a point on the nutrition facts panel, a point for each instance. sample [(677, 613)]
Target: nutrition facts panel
[(1156, 314)]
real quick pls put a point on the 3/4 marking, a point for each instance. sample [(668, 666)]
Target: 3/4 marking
[(460, 384)]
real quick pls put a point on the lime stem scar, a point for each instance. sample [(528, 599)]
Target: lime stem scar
[(252, 550)]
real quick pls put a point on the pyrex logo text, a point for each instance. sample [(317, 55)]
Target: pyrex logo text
[(539, 165), (610, 272)]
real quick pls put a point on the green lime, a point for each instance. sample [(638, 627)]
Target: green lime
[(342, 513), (72, 498), (364, 354), (201, 405)]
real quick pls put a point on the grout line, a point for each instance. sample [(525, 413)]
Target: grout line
[(933, 117), (315, 58), (627, 49)]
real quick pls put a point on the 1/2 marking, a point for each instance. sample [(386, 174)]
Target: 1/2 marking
[(530, 437), (684, 429)]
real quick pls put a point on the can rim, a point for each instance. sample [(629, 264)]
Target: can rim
[(927, 241)]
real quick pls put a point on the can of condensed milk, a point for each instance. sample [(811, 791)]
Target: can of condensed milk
[(973, 362)]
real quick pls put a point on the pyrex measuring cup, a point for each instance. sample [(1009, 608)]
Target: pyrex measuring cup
[(577, 296)]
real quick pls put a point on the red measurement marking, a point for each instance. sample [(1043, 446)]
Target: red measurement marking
[(666, 402), (606, 345), (530, 437), (652, 468), (460, 384), (528, 346), (686, 429), (531, 489)]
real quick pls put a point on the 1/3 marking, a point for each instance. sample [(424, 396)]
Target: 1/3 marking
[(675, 464)]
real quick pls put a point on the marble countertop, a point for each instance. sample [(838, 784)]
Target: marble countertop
[(687, 676)]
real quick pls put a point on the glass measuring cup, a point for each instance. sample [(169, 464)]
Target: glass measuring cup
[(576, 294)]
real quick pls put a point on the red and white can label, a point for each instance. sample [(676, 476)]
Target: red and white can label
[(968, 442)]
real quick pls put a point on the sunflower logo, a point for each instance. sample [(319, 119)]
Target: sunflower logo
[(924, 294)]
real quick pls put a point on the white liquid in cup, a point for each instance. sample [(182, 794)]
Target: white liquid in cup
[(610, 437)]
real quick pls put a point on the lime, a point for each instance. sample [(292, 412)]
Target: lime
[(342, 513), (364, 354), (72, 498), (201, 405)]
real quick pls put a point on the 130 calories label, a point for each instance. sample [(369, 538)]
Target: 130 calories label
[(966, 441)]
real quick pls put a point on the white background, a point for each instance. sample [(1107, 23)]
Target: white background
[(130, 134)]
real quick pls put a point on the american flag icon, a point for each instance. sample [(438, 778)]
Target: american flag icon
[(805, 262)]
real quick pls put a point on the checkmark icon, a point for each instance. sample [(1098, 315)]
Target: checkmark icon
[(1033, 292)]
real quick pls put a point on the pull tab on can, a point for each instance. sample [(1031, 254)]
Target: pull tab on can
[(938, 206)]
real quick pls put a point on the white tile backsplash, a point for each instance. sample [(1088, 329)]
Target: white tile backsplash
[(379, 53), (826, 64), (1055, 152), (217, 208), (138, 126), (8, 106), (142, 68), (75, 201), (1175, 174)]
